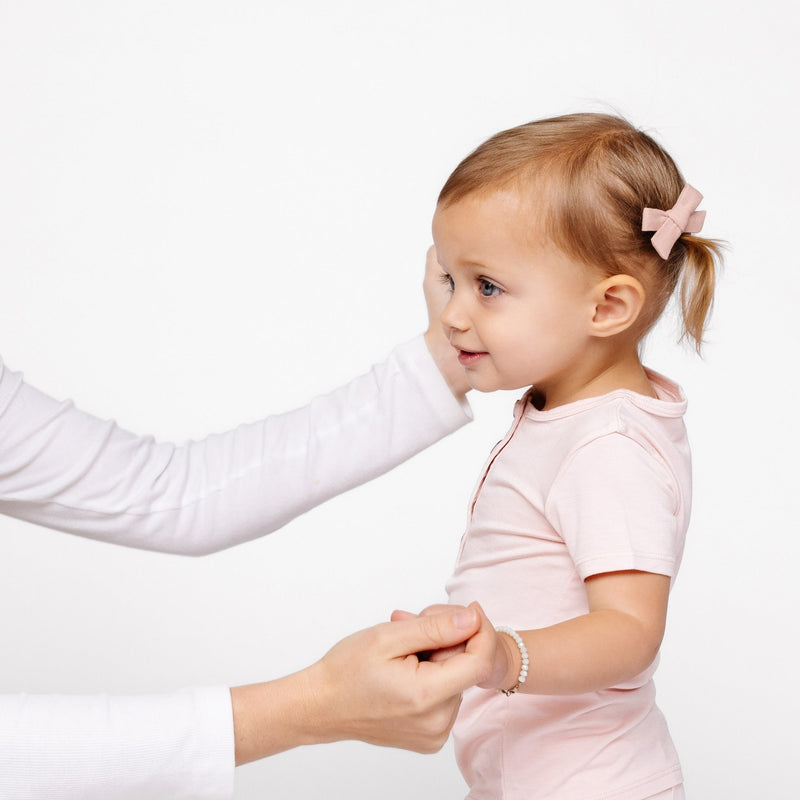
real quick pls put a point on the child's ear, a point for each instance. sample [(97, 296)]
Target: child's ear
[(618, 303)]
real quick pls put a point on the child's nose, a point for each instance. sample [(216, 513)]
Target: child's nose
[(453, 317)]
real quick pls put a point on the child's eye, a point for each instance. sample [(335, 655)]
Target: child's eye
[(447, 280), (488, 289)]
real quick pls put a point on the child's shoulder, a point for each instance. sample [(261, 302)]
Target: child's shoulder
[(618, 422), (608, 409)]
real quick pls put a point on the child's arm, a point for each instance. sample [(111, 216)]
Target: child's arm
[(618, 639), (614, 642)]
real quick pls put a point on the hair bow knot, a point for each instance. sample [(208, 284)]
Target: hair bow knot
[(668, 225)]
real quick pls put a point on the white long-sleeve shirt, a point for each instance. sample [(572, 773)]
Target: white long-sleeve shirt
[(65, 469)]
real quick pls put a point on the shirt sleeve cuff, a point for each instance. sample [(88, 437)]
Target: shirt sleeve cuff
[(216, 751)]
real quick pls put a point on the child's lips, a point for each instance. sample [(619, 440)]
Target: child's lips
[(468, 357)]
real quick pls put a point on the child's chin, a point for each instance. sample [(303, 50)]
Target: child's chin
[(486, 387)]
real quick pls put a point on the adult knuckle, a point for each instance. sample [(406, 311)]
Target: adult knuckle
[(375, 637), (432, 627)]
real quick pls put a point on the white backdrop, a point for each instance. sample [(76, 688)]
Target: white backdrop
[(210, 211)]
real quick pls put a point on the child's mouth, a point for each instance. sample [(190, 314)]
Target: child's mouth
[(468, 357)]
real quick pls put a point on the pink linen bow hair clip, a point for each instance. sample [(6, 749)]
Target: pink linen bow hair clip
[(668, 225)]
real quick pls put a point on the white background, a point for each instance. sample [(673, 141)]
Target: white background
[(211, 211)]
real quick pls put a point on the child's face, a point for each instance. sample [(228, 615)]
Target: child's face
[(520, 310)]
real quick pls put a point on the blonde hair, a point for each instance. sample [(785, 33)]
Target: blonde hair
[(596, 173)]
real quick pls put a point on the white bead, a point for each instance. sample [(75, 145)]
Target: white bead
[(523, 651)]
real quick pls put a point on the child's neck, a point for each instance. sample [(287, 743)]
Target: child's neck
[(596, 380)]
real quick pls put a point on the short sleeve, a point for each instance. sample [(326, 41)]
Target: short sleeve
[(618, 506)]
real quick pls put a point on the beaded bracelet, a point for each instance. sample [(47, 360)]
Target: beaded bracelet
[(523, 651)]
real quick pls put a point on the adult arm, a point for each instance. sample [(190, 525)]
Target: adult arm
[(68, 470), (63, 468), (372, 687), (96, 747), (369, 687)]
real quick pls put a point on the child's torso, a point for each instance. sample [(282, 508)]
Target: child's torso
[(598, 486)]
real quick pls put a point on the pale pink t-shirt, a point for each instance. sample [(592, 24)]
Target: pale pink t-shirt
[(598, 485)]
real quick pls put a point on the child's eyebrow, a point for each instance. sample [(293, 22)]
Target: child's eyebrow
[(472, 263)]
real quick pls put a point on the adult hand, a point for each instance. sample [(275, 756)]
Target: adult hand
[(371, 686), (444, 354), (441, 653), (500, 652)]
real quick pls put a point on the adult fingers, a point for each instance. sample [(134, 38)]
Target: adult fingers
[(436, 294), (470, 667), (447, 652), (431, 632), (437, 608), (398, 615)]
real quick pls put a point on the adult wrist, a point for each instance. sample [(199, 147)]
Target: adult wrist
[(271, 717), (321, 700)]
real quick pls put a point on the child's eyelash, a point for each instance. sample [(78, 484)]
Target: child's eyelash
[(489, 288), (446, 280)]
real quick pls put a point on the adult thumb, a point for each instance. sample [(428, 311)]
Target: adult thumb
[(445, 629)]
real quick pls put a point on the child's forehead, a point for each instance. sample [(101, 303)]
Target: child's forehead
[(525, 196), (482, 227), (506, 210)]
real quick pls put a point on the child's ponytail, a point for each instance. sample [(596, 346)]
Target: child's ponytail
[(698, 278)]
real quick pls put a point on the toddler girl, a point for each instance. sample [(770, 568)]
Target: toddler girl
[(561, 242)]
